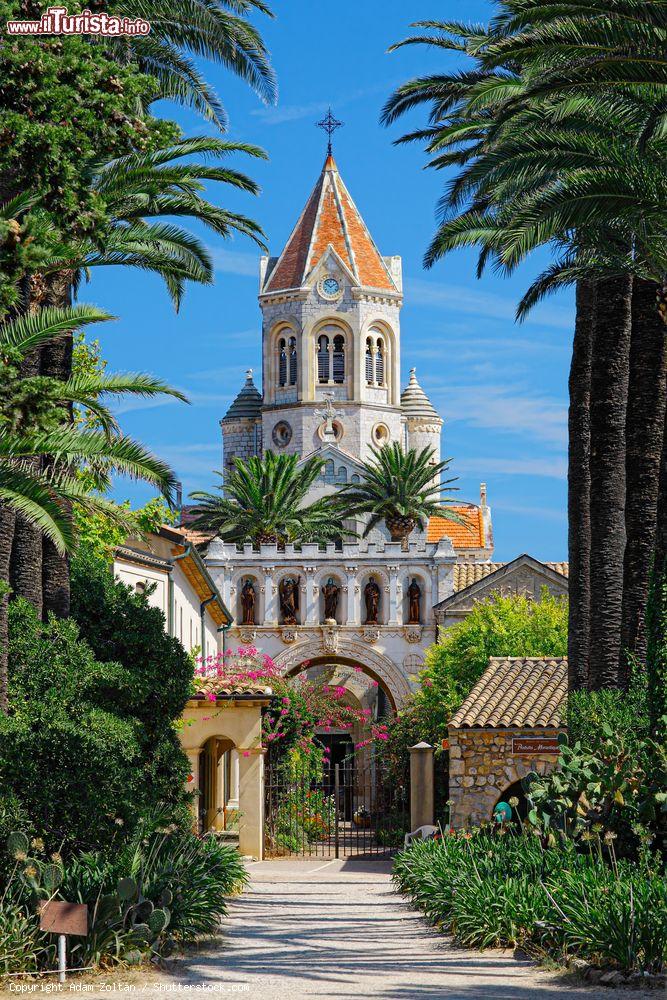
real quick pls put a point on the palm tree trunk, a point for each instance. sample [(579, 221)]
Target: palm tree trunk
[(579, 487), (656, 616), (7, 519), (647, 395), (609, 395), (25, 566), (57, 363)]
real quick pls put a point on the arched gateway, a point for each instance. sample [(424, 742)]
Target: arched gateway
[(349, 653)]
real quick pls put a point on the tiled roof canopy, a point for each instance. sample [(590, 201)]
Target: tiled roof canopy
[(330, 218), (467, 573), (248, 403), (224, 690), (516, 692), (415, 403), (465, 534)]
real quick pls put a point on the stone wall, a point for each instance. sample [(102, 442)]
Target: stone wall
[(482, 766)]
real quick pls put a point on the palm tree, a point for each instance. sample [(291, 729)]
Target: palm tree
[(532, 181), (38, 481), (401, 488), (264, 501), (213, 29)]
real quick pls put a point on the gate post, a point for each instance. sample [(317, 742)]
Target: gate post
[(422, 780)]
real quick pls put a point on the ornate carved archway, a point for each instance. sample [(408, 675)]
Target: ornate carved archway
[(377, 666)]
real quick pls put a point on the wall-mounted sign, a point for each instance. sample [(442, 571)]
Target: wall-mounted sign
[(63, 918), (535, 744)]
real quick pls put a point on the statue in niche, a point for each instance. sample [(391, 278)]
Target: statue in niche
[(330, 592), (372, 599), (288, 592), (414, 603), (248, 603)]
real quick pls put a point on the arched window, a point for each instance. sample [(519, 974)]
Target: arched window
[(339, 359), (323, 359), (342, 474), (292, 361), (329, 472), (379, 362), (355, 478), (369, 361), (282, 362)]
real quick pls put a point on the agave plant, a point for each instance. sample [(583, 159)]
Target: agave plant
[(402, 488), (264, 500)]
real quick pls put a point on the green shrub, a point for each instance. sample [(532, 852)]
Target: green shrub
[(497, 888), (22, 947)]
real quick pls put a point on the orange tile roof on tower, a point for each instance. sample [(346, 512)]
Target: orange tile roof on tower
[(330, 218), (468, 533)]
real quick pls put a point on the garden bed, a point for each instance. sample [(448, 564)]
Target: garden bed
[(494, 888)]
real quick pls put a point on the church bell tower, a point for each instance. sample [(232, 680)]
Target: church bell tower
[(331, 335)]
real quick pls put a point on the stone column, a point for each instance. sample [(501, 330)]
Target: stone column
[(392, 617), (353, 596), (251, 802), (311, 616), (422, 780), (193, 785), (270, 607)]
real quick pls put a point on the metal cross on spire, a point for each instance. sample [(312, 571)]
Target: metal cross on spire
[(329, 124)]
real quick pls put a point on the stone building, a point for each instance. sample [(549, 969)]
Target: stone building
[(330, 387), (508, 725)]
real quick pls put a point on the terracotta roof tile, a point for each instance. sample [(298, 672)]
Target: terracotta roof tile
[(516, 692), (467, 573), (224, 689), (465, 534), (330, 218)]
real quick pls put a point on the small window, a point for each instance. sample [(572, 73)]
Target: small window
[(323, 359), (329, 472), (355, 478), (379, 363), (369, 361), (282, 363), (342, 475), (339, 360), (292, 361), (140, 587)]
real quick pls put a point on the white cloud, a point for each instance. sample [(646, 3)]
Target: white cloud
[(502, 408), (550, 468), (289, 112), (245, 265), (543, 513), (460, 298)]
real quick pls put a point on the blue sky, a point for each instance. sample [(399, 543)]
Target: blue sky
[(500, 387)]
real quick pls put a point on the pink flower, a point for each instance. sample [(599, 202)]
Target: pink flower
[(285, 711), (374, 684), (246, 753), (210, 695)]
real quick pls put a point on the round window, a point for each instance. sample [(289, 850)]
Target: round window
[(380, 434), (282, 434)]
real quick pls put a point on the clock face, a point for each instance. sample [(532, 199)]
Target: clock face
[(330, 287)]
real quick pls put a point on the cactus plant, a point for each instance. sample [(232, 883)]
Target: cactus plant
[(17, 843), (158, 921), (127, 889), (166, 897), (52, 876), (143, 932)]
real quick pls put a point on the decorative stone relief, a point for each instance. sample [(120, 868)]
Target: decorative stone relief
[(371, 634), (413, 633), (330, 638), (288, 634), (247, 634)]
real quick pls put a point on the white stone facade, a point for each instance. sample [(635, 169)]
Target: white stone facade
[(331, 338)]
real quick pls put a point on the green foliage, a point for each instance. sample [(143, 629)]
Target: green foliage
[(401, 488), (264, 501), (501, 626), (90, 743), (493, 888)]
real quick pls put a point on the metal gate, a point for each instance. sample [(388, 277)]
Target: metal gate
[(346, 809)]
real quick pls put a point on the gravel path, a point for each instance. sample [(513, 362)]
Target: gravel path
[(311, 928)]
